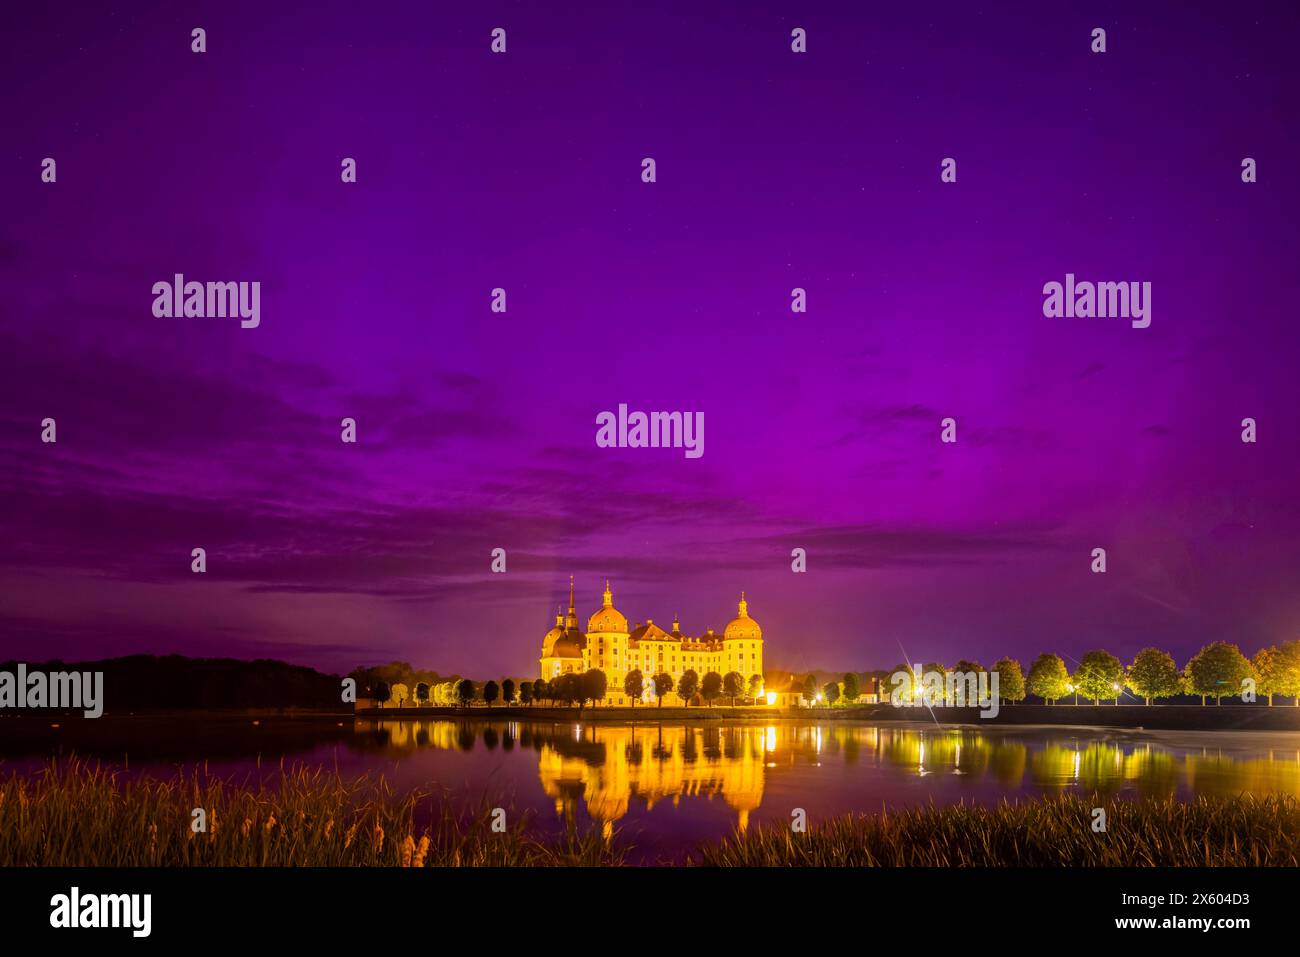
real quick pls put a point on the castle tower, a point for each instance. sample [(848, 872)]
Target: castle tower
[(607, 642), (742, 644)]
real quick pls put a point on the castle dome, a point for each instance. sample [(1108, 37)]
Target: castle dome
[(566, 646), (742, 626), (552, 636), (608, 618)]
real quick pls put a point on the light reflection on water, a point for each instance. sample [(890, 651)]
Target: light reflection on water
[(702, 780)]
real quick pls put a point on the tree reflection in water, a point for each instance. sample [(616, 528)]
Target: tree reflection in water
[(604, 769)]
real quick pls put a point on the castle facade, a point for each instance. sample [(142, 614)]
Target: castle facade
[(611, 646)]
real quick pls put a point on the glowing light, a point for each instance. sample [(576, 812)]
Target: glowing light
[(771, 697)]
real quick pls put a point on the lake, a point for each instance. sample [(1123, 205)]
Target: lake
[(669, 786)]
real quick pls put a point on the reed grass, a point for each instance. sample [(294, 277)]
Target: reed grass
[(1052, 832), (77, 814)]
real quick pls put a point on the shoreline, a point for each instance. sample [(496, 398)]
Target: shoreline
[(1245, 718), (1124, 717)]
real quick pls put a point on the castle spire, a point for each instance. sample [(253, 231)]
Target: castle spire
[(744, 606), (572, 621), (609, 595)]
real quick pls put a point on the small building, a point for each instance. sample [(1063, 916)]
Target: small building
[(868, 692), (788, 695)]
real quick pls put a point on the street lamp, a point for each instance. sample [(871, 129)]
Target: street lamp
[(1076, 694)]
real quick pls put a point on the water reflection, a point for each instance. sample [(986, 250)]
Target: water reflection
[(606, 770)]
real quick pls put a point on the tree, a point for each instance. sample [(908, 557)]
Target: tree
[(568, 688), (465, 691), (851, 687), (687, 685), (1153, 674), (526, 693), (1278, 671), (634, 686), (933, 667), (1216, 670), (508, 691), (908, 692), (950, 689), (594, 684), (663, 685), (1011, 680), (444, 692), (1048, 678), (832, 692), (1265, 665), (400, 693), (541, 690), (883, 683), (810, 689), (422, 693), (1099, 675), (733, 686), (711, 687), (1286, 671), (755, 686), (490, 692), (382, 692)]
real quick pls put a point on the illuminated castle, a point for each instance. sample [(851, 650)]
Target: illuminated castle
[(610, 646)]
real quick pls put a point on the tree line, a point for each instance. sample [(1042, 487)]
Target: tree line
[(178, 683), (1219, 670), (567, 689)]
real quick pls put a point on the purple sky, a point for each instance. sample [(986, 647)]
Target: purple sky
[(775, 170)]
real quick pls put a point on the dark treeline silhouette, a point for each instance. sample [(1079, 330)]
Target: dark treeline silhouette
[(175, 682)]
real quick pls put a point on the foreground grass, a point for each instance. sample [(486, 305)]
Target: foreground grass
[(1055, 832), (75, 814)]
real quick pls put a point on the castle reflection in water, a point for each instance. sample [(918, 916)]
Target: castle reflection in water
[(604, 768)]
